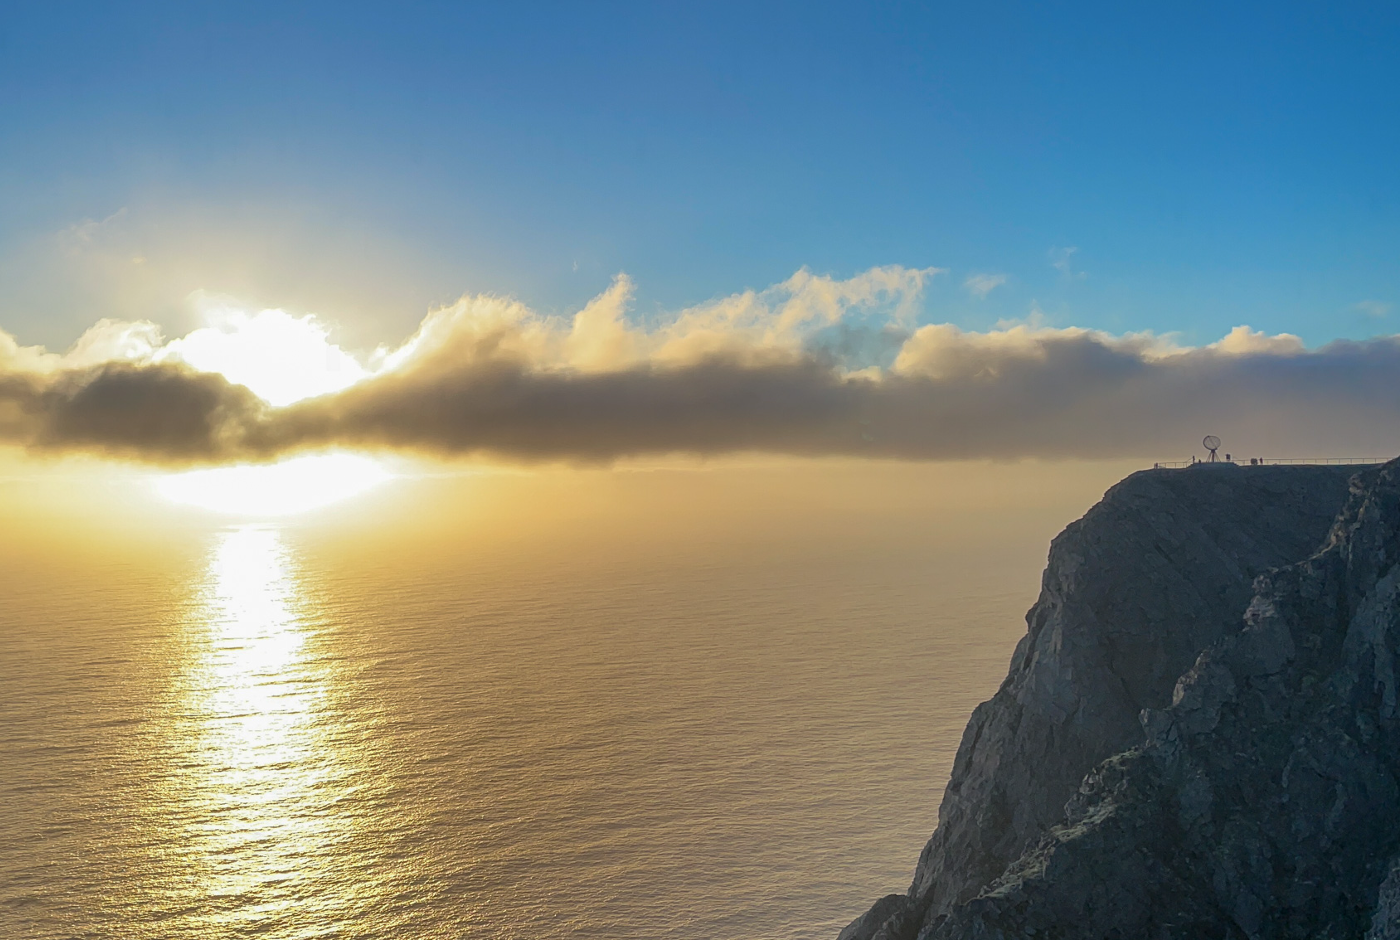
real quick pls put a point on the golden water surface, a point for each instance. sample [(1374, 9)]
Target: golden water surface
[(270, 732)]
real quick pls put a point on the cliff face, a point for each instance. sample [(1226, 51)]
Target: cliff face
[(1161, 570)]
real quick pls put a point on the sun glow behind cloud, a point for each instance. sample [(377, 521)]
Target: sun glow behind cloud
[(282, 359)]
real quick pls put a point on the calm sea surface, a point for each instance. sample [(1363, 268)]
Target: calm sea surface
[(273, 737)]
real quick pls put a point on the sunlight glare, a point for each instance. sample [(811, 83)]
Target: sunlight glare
[(262, 770), (290, 486), (279, 357)]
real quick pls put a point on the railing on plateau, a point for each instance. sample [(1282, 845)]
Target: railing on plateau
[(1272, 462)]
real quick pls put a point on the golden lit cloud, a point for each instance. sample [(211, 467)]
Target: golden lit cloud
[(812, 366)]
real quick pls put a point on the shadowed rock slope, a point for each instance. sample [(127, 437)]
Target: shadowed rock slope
[(1152, 587)]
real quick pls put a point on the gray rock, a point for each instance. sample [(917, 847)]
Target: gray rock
[(1160, 570), (1274, 816), (1385, 922), (879, 914)]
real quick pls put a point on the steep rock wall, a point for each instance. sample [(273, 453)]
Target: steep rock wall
[(1159, 570), (1265, 800)]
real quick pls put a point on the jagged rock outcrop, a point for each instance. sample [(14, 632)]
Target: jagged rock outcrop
[(1160, 570), (1265, 801)]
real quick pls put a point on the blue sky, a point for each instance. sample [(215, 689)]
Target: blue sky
[(1125, 167)]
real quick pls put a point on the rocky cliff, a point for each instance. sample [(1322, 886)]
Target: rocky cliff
[(1194, 736)]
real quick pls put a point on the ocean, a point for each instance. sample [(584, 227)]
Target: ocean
[(668, 729)]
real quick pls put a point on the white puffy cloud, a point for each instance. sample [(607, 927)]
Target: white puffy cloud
[(1243, 341)]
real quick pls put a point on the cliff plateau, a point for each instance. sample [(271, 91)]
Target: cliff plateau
[(1198, 735)]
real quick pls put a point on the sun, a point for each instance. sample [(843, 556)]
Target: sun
[(285, 488), (282, 359)]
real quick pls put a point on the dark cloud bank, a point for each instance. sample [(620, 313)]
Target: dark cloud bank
[(1049, 394)]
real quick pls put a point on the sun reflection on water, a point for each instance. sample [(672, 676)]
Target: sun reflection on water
[(263, 769)]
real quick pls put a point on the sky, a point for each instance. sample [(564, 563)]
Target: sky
[(1038, 224)]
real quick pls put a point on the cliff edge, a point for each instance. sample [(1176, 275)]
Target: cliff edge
[(1104, 792)]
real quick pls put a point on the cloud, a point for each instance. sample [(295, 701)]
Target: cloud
[(1373, 308), (281, 357), (1035, 318), (1244, 341), (1062, 260), (600, 339), (756, 371), (980, 285), (81, 235)]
